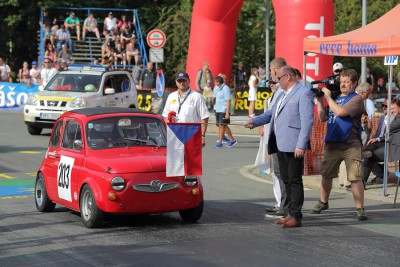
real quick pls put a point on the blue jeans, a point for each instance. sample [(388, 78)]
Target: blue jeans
[(67, 42)]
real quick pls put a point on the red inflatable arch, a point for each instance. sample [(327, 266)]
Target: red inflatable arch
[(213, 34)]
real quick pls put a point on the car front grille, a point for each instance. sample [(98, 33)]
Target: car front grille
[(52, 103), (152, 188)]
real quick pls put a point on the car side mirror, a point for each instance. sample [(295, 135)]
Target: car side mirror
[(109, 91), (78, 144)]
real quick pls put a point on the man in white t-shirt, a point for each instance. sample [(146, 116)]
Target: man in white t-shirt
[(34, 72), (47, 72), (5, 72), (188, 105)]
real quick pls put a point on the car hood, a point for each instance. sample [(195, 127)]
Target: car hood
[(61, 95), (128, 161)]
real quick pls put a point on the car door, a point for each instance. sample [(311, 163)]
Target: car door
[(71, 159), (123, 89), (111, 100), (52, 160)]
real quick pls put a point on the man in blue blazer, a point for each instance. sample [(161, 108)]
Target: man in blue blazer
[(291, 120)]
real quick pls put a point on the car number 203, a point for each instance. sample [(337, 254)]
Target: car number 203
[(64, 174)]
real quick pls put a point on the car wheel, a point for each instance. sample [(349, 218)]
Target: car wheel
[(91, 215), (42, 200), (192, 215), (33, 130)]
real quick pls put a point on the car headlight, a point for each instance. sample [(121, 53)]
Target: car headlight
[(32, 101), (78, 102), (117, 183), (190, 180)]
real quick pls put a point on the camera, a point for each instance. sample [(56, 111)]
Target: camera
[(331, 82)]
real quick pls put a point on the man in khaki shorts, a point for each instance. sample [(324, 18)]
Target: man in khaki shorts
[(342, 141)]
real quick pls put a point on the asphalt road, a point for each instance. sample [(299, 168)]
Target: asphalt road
[(232, 232)]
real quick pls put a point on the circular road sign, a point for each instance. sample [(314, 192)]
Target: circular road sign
[(156, 38)]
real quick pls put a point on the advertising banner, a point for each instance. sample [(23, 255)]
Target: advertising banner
[(14, 95)]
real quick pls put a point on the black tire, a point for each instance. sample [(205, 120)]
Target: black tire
[(192, 215), (91, 215), (42, 200), (33, 130)]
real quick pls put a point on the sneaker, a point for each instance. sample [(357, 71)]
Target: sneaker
[(225, 139), (274, 216), (231, 143), (218, 145), (362, 214), (320, 207), (272, 209)]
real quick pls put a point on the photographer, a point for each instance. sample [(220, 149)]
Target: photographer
[(342, 141)]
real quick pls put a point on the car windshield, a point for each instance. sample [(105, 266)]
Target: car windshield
[(75, 83), (125, 131)]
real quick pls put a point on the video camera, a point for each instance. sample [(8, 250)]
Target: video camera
[(331, 82)]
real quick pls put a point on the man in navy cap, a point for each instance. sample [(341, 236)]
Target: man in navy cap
[(188, 105)]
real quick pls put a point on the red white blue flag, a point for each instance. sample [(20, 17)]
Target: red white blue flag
[(184, 149)]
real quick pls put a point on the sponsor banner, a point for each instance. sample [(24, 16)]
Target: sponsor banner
[(14, 95), (242, 104)]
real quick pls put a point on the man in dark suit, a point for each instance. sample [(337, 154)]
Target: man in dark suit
[(377, 169), (291, 119), (377, 144)]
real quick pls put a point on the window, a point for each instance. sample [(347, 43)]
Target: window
[(72, 133), (122, 83), (55, 138)]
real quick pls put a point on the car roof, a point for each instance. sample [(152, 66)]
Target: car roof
[(108, 110)]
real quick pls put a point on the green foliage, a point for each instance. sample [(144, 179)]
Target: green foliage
[(19, 24)]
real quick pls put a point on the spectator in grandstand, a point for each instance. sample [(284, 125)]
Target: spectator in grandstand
[(107, 55), (72, 24), (132, 51), (126, 37), (24, 74), (47, 72), (65, 55), (50, 52), (63, 37), (48, 21), (342, 141), (34, 72), (124, 24), (49, 36), (119, 56), (112, 37), (203, 75), (109, 22), (137, 72), (90, 25), (63, 65), (96, 61), (5, 72), (148, 77)]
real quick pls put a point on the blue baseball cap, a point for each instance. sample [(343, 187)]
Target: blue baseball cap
[(34, 63)]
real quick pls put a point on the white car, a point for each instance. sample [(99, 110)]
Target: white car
[(74, 89)]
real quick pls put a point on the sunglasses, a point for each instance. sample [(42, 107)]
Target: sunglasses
[(384, 106), (181, 80), (47, 62), (279, 78)]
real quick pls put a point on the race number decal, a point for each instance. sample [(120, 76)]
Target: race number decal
[(64, 177)]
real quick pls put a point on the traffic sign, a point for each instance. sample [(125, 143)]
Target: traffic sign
[(156, 55), (391, 60), (156, 38), (160, 83)]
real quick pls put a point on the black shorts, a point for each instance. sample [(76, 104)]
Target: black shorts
[(220, 118)]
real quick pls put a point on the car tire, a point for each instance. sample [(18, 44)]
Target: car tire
[(192, 215), (33, 130), (91, 215), (42, 200)]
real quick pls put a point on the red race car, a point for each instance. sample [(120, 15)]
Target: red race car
[(113, 160)]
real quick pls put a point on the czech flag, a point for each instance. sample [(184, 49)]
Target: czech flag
[(184, 149)]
